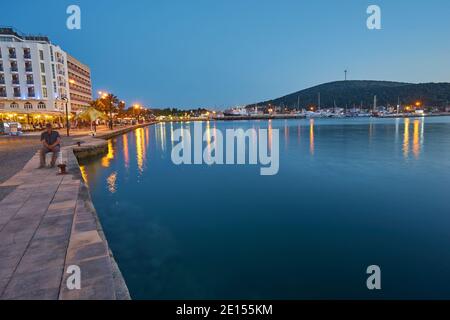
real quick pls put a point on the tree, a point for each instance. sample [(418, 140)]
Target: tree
[(109, 104)]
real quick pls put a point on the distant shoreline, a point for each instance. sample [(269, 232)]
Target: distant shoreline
[(288, 116)]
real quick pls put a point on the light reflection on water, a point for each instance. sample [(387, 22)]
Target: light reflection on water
[(349, 193)]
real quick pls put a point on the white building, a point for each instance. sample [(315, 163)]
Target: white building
[(33, 78)]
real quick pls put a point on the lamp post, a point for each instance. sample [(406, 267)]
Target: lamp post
[(136, 109), (67, 114)]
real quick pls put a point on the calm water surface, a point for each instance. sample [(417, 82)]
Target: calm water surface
[(349, 193)]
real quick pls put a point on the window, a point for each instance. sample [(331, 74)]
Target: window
[(28, 105), (12, 53), (44, 92), (28, 67), (27, 53), (53, 71), (43, 80), (41, 54), (54, 87), (41, 105), (14, 105), (42, 67), (51, 53)]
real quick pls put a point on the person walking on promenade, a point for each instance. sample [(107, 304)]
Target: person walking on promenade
[(51, 142)]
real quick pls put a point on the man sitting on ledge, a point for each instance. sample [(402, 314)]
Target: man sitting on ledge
[(50, 143)]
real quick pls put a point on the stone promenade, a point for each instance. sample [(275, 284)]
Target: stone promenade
[(48, 223)]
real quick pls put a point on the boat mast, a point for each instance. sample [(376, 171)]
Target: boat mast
[(319, 100)]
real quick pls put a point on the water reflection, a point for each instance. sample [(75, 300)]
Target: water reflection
[(406, 139), (208, 140), (162, 135), (171, 134), (311, 137), (106, 160), (286, 134), (126, 154), (397, 129), (418, 137), (140, 149), (269, 131), (111, 182), (84, 173)]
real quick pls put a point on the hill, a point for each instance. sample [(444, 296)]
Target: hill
[(354, 93)]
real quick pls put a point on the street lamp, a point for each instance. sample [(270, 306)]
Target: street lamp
[(67, 114), (137, 107)]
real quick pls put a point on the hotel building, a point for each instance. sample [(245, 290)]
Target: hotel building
[(34, 79), (80, 85)]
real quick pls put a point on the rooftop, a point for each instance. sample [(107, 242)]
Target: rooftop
[(10, 31)]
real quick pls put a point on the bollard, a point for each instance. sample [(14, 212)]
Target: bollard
[(62, 168)]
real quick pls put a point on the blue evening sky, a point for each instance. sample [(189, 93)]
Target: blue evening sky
[(217, 53)]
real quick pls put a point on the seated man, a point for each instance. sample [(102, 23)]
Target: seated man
[(50, 143)]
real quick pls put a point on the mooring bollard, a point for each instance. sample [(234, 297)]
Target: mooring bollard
[(62, 168)]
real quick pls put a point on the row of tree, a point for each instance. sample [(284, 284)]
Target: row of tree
[(113, 107)]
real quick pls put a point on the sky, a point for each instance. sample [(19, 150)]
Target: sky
[(219, 53)]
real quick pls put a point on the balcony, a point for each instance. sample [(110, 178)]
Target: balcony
[(28, 69), (30, 81), (2, 81), (12, 56), (17, 94), (14, 69), (31, 94), (2, 94), (27, 56), (15, 82), (1, 68)]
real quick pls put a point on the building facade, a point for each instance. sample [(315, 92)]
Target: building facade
[(34, 78), (80, 85)]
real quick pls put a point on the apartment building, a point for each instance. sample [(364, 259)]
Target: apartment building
[(34, 78), (80, 85)]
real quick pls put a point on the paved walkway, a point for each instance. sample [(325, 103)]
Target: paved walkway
[(48, 223)]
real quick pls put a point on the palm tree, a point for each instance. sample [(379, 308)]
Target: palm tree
[(108, 103)]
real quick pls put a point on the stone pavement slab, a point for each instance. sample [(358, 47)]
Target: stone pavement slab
[(46, 225)]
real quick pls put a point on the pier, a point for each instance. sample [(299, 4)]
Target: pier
[(48, 223)]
